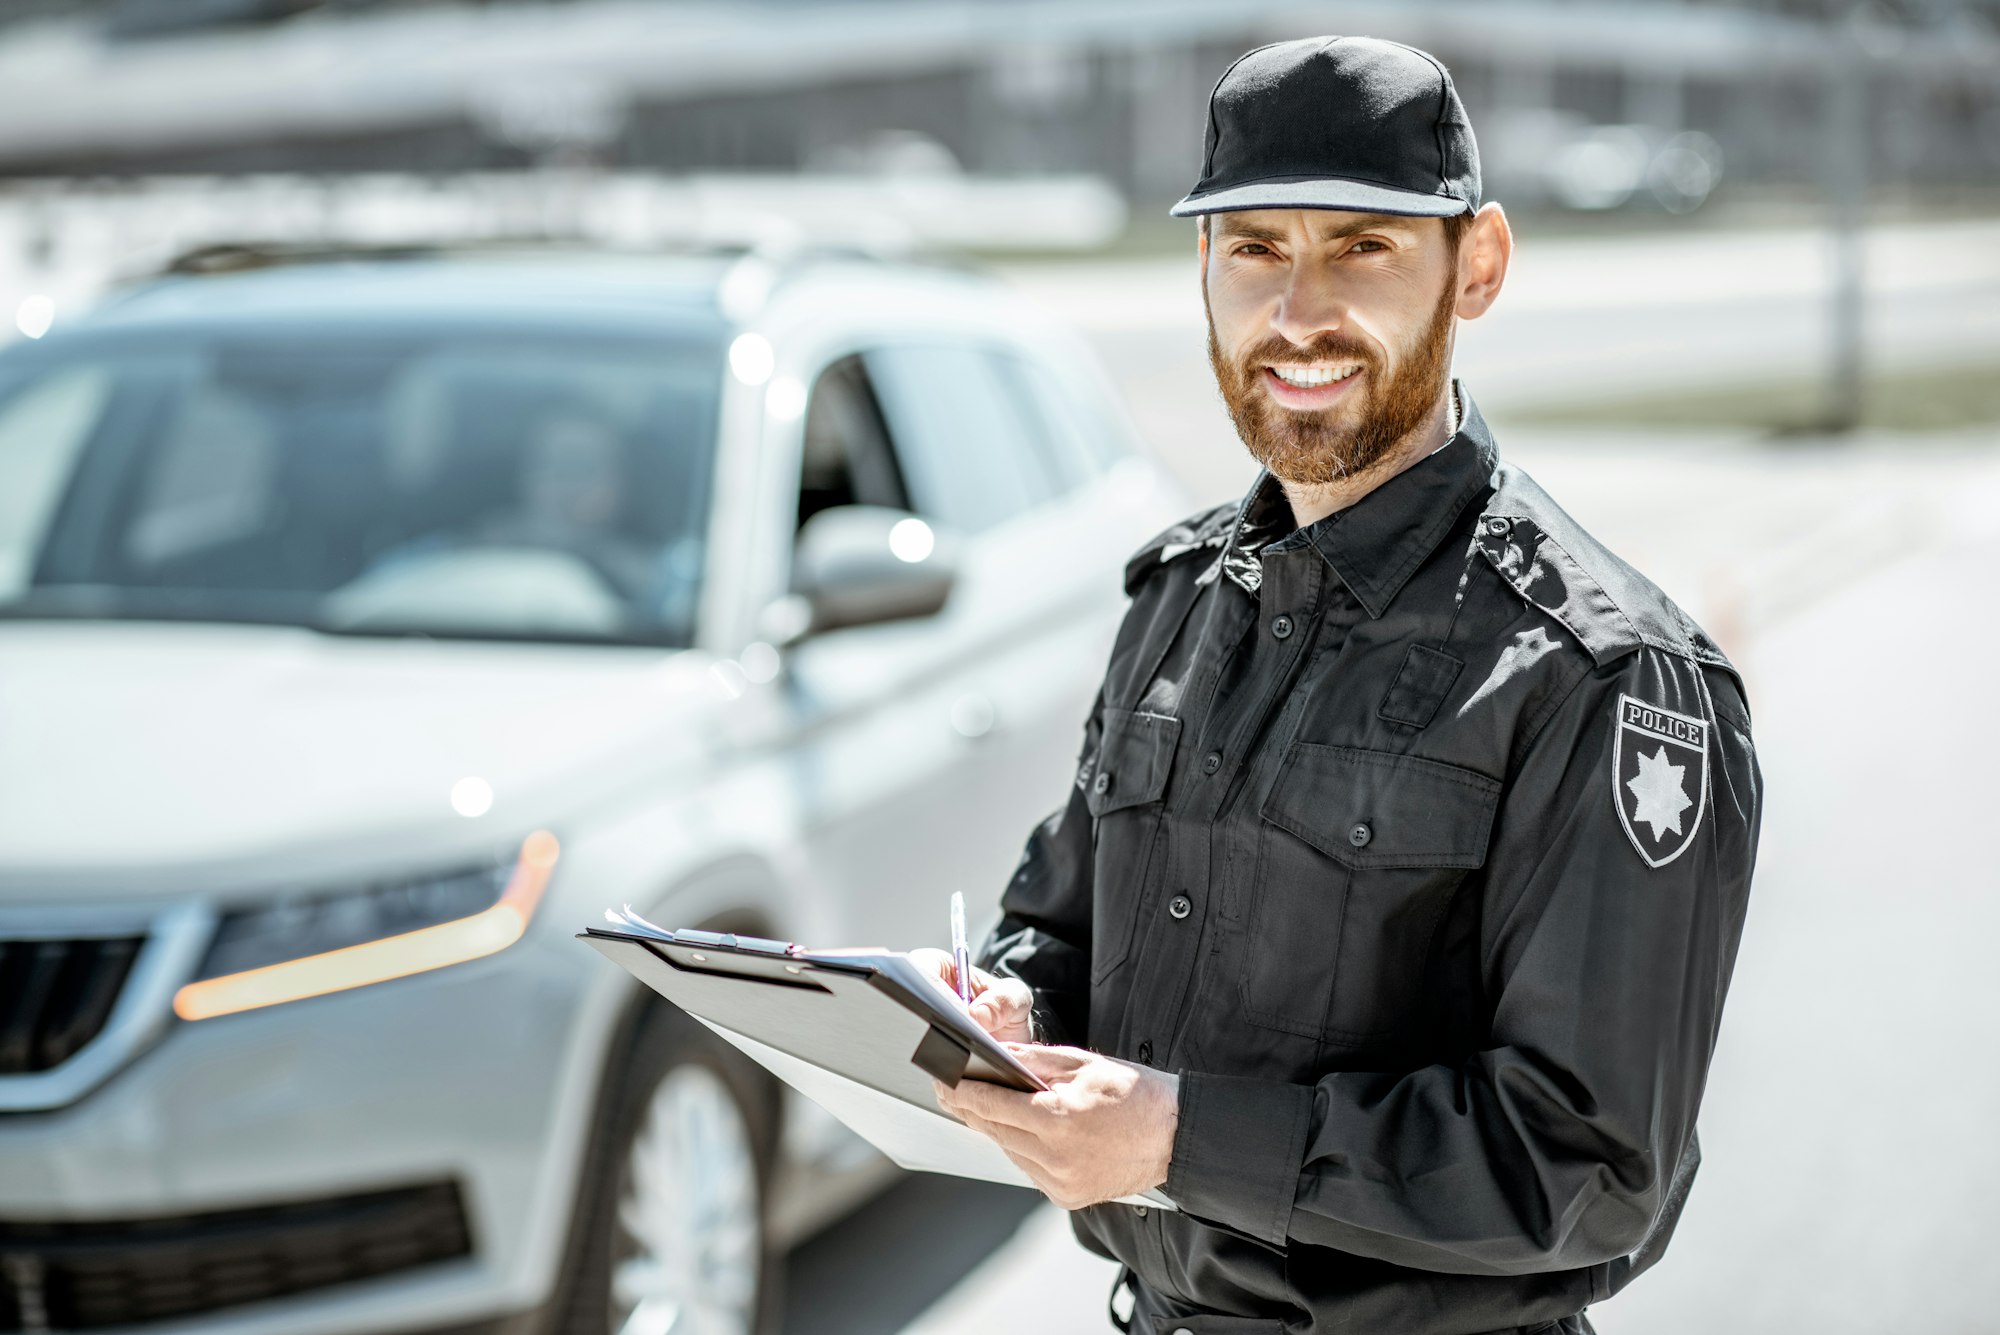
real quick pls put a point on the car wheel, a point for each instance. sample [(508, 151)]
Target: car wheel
[(676, 1238)]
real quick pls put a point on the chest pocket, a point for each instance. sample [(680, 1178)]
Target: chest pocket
[(1359, 855), (1125, 800)]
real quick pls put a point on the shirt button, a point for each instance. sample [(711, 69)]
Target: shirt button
[(1360, 835), (1180, 906), (1146, 1052), (1102, 783), (1140, 1211), (1182, 1330), (1496, 525), (1211, 762), (1281, 626)]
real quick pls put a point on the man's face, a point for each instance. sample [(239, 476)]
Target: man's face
[(1330, 333)]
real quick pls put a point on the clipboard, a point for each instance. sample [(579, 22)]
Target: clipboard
[(860, 1032)]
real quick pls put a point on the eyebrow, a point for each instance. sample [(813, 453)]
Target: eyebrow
[(1230, 225)]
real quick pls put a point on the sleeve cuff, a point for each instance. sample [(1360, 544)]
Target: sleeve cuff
[(1048, 1027), (1237, 1152)]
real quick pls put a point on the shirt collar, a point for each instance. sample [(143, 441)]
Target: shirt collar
[(1377, 543)]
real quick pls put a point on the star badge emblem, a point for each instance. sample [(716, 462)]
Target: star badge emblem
[(1659, 792)]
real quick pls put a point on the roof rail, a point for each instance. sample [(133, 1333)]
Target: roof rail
[(242, 256), (230, 257)]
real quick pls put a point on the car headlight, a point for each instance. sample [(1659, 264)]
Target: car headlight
[(286, 952)]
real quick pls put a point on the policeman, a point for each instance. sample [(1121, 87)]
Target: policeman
[(1387, 926)]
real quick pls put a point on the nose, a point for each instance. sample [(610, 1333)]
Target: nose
[(1307, 306)]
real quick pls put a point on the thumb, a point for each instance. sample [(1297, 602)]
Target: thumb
[(1003, 1006)]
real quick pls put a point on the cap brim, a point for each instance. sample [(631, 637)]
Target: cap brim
[(1321, 193)]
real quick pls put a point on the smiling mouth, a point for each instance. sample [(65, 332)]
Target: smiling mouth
[(1312, 377)]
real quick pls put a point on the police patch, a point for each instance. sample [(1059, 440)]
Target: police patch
[(1659, 778)]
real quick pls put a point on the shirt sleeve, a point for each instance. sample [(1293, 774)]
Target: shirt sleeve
[(1559, 1144), (1043, 936)]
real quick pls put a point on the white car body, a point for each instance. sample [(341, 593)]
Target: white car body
[(154, 775)]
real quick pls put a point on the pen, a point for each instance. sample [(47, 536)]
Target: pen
[(961, 960)]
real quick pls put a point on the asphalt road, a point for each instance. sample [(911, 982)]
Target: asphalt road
[(1851, 1180)]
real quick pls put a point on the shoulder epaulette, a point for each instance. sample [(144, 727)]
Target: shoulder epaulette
[(1554, 564), (1204, 531)]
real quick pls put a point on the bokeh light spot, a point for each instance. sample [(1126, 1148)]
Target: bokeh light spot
[(785, 400), (751, 358), (472, 797), (35, 315), (911, 539)]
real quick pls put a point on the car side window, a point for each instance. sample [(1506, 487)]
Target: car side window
[(846, 458), (1080, 437), (214, 479), (966, 439), (44, 426)]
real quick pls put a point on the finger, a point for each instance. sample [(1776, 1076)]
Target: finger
[(1021, 1146), (994, 1103), (1010, 996), (959, 1101), (935, 963), (1037, 1174), (944, 1098), (1048, 1062), (991, 1130), (1044, 1178), (955, 1100), (977, 1098), (1001, 1010), (1001, 991)]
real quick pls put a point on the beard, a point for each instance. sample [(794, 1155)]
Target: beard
[(1313, 448)]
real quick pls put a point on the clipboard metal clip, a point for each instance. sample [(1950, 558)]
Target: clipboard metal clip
[(940, 1055)]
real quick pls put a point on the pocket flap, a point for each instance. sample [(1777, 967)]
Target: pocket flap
[(1379, 809), (1133, 758)]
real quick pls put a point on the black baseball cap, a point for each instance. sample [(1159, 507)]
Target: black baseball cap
[(1336, 123)]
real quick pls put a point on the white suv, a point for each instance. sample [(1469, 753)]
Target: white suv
[(368, 625)]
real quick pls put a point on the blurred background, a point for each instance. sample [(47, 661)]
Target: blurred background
[(631, 304)]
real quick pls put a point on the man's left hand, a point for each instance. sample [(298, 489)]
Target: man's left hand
[(1103, 1129)]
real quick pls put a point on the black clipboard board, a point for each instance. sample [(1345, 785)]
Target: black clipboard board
[(862, 1032), (868, 1015)]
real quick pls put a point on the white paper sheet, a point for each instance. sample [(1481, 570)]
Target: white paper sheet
[(923, 1139)]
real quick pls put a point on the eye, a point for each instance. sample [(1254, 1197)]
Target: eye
[(1253, 247), (1368, 243)]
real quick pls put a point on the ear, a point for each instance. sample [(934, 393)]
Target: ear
[(1483, 255)]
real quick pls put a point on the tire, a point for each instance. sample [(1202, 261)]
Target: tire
[(673, 1213)]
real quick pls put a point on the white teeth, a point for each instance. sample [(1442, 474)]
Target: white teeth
[(1306, 377)]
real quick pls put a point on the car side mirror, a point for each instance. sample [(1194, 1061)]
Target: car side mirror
[(858, 565)]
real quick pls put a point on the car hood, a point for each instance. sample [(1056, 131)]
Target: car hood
[(145, 748)]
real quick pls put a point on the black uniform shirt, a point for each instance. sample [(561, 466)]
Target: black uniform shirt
[(1417, 841)]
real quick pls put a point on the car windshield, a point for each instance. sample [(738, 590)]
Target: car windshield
[(457, 484)]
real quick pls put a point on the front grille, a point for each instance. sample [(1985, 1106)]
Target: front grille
[(56, 995), (83, 1276)]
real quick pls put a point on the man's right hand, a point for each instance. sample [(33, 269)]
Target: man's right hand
[(1000, 1005)]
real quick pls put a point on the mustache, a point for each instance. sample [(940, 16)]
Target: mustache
[(1278, 350)]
